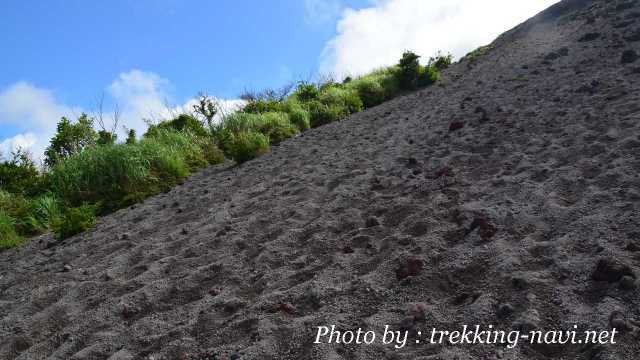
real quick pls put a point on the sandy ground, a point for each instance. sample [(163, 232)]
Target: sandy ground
[(509, 195)]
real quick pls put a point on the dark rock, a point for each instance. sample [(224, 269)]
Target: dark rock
[(67, 268), (633, 37), (347, 249), (445, 171), (629, 56), (287, 308), (628, 282), (371, 222), (618, 321), (418, 312), (485, 229), (505, 310), (611, 270), (589, 37), (409, 267), (456, 125), (632, 247), (519, 283)]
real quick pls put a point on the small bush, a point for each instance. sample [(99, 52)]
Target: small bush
[(182, 123), (409, 70), (74, 221), (428, 76), (262, 106), (441, 61), (244, 146), (370, 91), (321, 114), (122, 174), (276, 126), (19, 174), (306, 92), (70, 139), (347, 99), (212, 153), (475, 54), (8, 236), (300, 118)]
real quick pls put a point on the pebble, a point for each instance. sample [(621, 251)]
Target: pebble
[(505, 310), (628, 282), (410, 267), (371, 222), (610, 270)]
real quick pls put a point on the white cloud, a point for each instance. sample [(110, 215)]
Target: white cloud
[(33, 109), (377, 36), (139, 95)]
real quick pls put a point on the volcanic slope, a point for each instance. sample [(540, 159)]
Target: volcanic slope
[(508, 194)]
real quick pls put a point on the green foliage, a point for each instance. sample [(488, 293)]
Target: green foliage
[(441, 61), (261, 106), (206, 108), (74, 221), (276, 127), (131, 137), (119, 175), (370, 91), (409, 70), (184, 123), (246, 145), (306, 92), (8, 236), (321, 114), (428, 76), (300, 118), (475, 54), (346, 99), (70, 139), (19, 174), (106, 138)]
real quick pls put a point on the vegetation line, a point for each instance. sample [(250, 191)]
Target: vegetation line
[(89, 173)]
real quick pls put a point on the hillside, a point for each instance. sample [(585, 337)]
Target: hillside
[(508, 194)]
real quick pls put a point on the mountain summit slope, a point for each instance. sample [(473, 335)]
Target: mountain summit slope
[(507, 195)]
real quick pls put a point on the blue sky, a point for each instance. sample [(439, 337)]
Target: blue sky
[(60, 56)]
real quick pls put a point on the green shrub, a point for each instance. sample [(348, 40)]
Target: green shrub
[(347, 99), (182, 123), (244, 146), (74, 221), (70, 139), (475, 54), (46, 210), (262, 106), (321, 114), (212, 153), (428, 76), (21, 209), (8, 236), (276, 126), (409, 70), (19, 174), (300, 118), (370, 91), (306, 92), (119, 175), (441, 61)]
